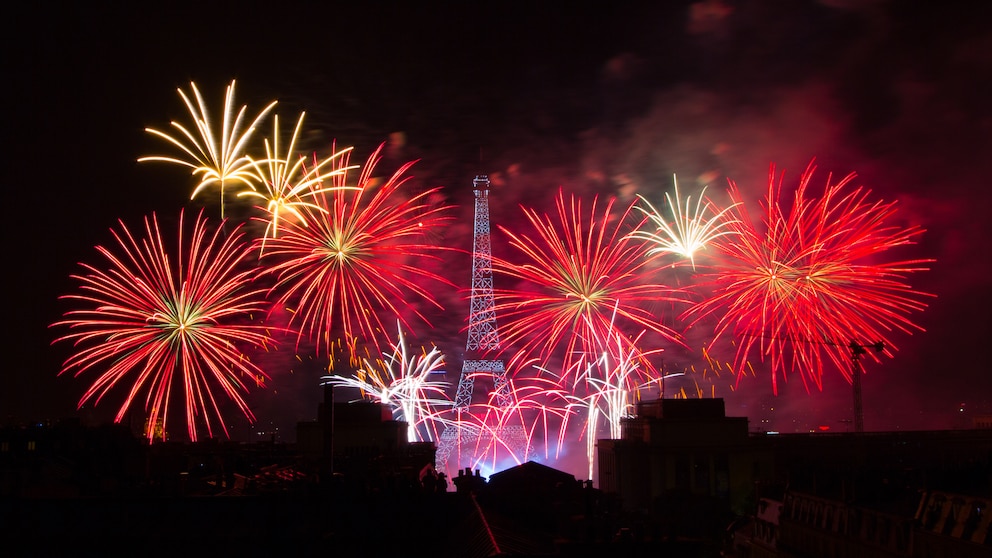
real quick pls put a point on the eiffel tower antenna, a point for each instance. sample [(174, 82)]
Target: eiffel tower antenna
[(483, 334)]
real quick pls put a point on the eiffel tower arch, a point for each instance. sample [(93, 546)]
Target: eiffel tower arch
[(461, 440)]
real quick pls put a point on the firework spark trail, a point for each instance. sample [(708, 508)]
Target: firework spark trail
[(543, 410), (689, 229), (710, 372), (217, 160), (403, 381), (583, 278), (289, 182), (605, 387), (813, 280), (518, 432), (155, 321), (357, 258)]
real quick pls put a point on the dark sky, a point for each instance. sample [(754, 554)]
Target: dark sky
[(607, 100)]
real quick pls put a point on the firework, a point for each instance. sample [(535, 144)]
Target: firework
[(581, 279), (689, 230), (605, 388), (705, 377), (357, 258), (217, 158), (514, 425), (289, 182), (169, 325), (405, 383), (498, 433), (811, 280)]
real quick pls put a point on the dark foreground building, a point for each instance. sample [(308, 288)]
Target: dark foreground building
[(351, 486), (685, 480), (684, 469)]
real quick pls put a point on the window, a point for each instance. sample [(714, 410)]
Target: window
[(790, 506), (721, 468), (953, 516), (884, 531), (854, 523), (902, 537), (934, 509), (971, 524), (701, 475)]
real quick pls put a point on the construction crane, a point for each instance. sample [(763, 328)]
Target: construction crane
[(857, 349)]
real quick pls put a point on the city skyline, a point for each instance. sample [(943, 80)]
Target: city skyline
[(706, 91)]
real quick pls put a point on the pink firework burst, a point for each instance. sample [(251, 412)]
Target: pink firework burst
[(525, 429), (582, 278), (169, 324), (357, 259), (808, 282)]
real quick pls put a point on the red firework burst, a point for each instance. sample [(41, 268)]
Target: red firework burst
[(808, 283), (163, 324), (357, 257), (583, 278)]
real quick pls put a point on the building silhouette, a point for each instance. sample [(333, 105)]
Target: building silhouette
[(686, 470), (684, 480)]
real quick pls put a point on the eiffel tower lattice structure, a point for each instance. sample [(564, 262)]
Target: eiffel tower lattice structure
[(465, 439)]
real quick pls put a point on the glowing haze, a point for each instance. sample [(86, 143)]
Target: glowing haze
[(612, 102)]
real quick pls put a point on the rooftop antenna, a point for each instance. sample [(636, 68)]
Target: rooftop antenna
[(856, 349)]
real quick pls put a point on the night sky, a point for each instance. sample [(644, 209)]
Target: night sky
[(610, 101)]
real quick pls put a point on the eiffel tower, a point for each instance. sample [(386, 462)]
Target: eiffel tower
[(483, 343)]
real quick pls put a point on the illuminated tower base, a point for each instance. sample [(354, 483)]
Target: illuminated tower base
[(467, 439)]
